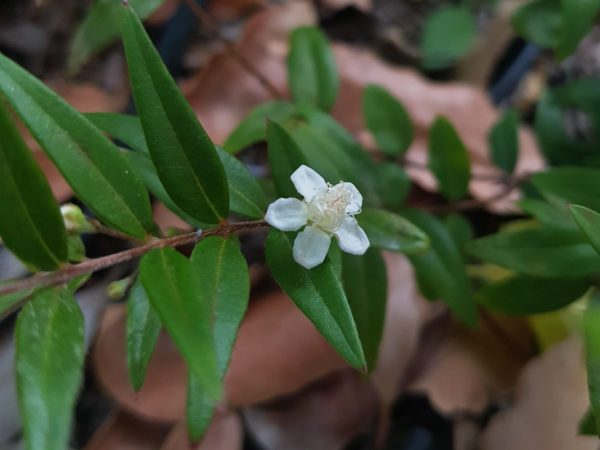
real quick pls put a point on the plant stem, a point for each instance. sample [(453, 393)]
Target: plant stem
[(69, 272), (99, 228)]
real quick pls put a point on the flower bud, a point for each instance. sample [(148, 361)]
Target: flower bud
[(73, 217)]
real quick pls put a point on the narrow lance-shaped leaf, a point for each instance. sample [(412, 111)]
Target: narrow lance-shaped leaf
[(176, 293), (127, 129), (319, 295), (94, 167), (143, 329), (312, 72), (387, 120), (591, 326), (224, 274), (578, 185), (589, 222), (31, 225), (448, 159), (184, 156), (49, 364), (365, 284), (504, 141), (284, 158)]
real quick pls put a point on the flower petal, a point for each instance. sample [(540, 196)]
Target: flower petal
[(357, 199), (287, 214), (310, 247), (308, 182), (352, 238)]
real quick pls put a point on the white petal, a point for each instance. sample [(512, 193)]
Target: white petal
[(352, 238), (287, 214), (308, 182), (357, 199), (310, 247)]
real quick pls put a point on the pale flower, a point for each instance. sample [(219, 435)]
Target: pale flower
[(326, 211)]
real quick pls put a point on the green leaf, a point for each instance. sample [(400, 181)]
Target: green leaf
[(143, 329), (31, 225), (591, 327), (75, 248), (246, 198), (49, 364), (284, 158), (335, 256), (525, 295), (589, 222), (547, 213), (387, 120), (175, 291), (8, 301), (504, 141), (578, 185), (448, 34), (312, 72), (577, 19), (539, 21), (126, 128), (184, 156), (319, 295), (254, 128), (459, 228), (95, 168), (449, 160), (101, 26), (544, 252), (392, 183), (226, 282), (365, 284), (389, 231), (587, 425), (441, 271)]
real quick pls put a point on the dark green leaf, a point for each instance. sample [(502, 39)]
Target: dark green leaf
[(49, 364), (76, 249), (389, 231), (365, 283), (123, 127), (441, 271), (547, 213), (143, 328), (8, 302), (319, 295), (199, 408), (587, 425), (459, 228), (591, 328), (95, 168), (393, 184), (589, 222), (312, 73), (335, 256), (539, 21), (31, 225), (101, 26), (184, 156), (578, 185), (525, 295), (448, 159), (387, 120), (504, 141), (284, 158), (254, 128), (175, 291), (544, 252), (577, 19), (448, 34)]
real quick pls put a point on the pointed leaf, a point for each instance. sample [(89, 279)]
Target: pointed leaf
[(577, 19), (448, 159), (504, 141), (49, 364), (312, 72), (387, 120), (319, 295), (31, 225), (389, 231), (95, 168), (143, 329), (578, 185), (589, 222), (365, 284), (199, 409), (176, 293), (284, 158), (184, 156), (125, 128), (587, 425)]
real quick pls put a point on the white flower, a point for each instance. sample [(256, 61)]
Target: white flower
[(327, 210)]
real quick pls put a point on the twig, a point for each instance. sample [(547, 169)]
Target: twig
[(99, 228), (207, 21), (69, 272)]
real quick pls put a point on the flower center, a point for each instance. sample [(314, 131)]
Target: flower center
[(328, 209)]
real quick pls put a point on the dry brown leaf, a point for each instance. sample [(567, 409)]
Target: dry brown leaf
[(324, 415), (224, 433), (551, 399)]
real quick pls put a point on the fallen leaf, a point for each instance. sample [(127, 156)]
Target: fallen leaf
[(224, 433), (551, 399)]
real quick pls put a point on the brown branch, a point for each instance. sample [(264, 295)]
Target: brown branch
[(69, 272), (207, 21)]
